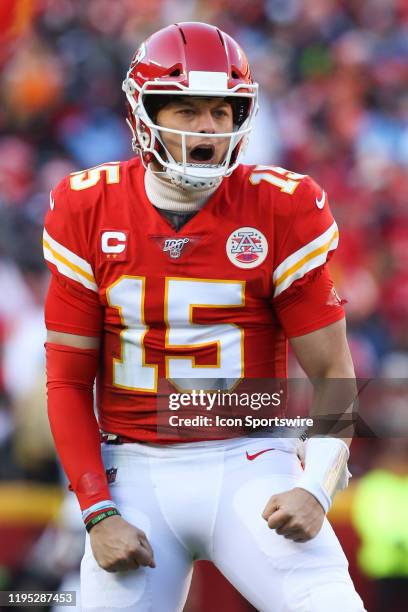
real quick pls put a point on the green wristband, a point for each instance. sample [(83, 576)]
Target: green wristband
[(100, 517)]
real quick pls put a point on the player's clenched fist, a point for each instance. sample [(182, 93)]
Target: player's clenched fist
[(295, 514), (117, 545)]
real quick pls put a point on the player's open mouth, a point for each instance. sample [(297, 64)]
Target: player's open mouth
[(202, 153)]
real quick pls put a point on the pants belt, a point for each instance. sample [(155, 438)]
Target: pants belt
[(110, 438)]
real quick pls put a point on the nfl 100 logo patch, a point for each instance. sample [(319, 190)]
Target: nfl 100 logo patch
[(247, 247), (174, 246)]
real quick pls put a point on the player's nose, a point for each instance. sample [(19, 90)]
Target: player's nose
[(206, 123)]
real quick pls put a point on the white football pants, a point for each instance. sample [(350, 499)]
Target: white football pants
[(204, 501)]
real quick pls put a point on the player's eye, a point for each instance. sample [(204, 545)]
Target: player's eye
[(220, 113), (186, 112)]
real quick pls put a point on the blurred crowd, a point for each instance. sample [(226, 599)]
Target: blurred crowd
[(333, 80)]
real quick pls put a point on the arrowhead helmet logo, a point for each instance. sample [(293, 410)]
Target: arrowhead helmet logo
[(140, 54)]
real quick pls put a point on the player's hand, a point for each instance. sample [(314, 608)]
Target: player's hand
[(117, 545), (295, 514)]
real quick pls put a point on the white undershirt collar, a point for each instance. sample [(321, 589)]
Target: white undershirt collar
[(166, 196)]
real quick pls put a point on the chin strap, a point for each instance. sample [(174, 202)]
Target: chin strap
[(188, 182), (192, 183)]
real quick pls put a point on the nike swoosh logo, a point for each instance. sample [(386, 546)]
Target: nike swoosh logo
[(320, 203), (52, 203), (255, 455)]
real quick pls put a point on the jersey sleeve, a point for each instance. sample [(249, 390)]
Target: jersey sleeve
[(307, 236), (72, 304)]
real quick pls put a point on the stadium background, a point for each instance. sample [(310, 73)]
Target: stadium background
[(334, 104)]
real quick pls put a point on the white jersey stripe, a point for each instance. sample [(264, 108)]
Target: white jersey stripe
[(70, 256), (67, 269), (305, 259)]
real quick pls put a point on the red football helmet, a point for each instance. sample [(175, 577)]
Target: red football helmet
[(194, 59)]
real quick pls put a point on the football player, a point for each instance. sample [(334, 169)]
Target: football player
[(183, 263)]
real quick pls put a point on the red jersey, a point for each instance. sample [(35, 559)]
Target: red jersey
[(215, 300)]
